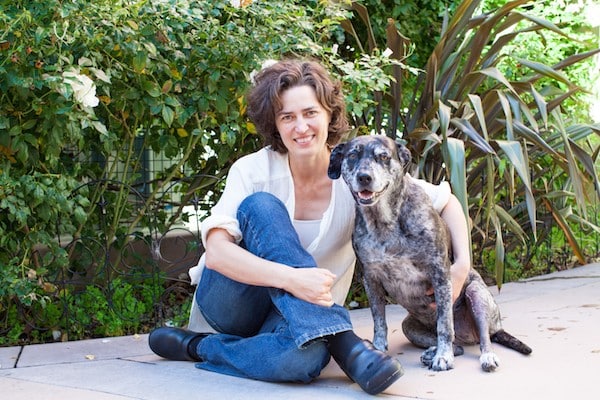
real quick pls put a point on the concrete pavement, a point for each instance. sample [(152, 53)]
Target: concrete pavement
[(558, 315)]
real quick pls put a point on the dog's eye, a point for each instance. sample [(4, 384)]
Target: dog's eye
[(352, 156), (384, 157)]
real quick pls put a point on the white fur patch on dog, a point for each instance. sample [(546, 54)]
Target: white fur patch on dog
[(489, 361)]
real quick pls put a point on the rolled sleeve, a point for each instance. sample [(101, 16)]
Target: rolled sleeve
[(230, 224)]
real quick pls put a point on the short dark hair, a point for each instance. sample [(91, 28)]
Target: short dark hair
[(264, 98)]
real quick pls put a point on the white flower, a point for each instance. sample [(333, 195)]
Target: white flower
[(240, 3), (265, 64), (84, 90)]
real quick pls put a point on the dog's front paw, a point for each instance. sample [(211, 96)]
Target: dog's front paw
[(489, 362), (438, 361), (443, 362)]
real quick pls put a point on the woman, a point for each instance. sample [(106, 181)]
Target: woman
[(279, 317)]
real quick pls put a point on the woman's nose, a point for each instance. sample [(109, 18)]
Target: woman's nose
[(301, 125)]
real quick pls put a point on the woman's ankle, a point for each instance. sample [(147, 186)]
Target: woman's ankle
[(341, 343)]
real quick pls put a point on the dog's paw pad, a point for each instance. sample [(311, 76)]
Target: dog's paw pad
[(489, 362)]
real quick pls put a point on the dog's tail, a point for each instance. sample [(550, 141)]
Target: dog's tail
[(506, 339)]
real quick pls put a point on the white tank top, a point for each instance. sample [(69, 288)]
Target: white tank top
[(307, 230)]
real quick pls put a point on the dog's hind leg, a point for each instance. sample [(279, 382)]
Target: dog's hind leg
[(487, 318), (418, 334), (424, 337)]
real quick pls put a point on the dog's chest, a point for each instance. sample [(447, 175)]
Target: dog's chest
[(413, 236), (399, 274), (401, 255)]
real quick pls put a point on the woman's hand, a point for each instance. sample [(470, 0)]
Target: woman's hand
[(459, 271), (312, 285)]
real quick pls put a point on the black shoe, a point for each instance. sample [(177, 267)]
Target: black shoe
[(373, 370), (174, 343)]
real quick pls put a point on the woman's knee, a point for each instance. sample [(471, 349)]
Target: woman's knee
[(259, 202)]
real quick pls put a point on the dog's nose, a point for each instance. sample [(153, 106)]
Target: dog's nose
[(364, 178)]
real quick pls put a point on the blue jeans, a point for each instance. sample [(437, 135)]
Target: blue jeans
[(266, 333)]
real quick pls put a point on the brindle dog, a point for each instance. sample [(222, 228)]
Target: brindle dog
[(404, 248)]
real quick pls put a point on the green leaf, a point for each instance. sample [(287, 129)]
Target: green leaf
[(99, 126), (454, 151), (80, 215), (21, 216), (37, 196), (514, 152), (168, 115), (139, 61), (28, 124), (535, 138), (465, 126), (221, 104), (15, 130), (575, 175), (564, 226), (500, 253), (444, 115), (545, 23), (476, 102), (545, 70), (152, 88), (511, 224), (495, 73)]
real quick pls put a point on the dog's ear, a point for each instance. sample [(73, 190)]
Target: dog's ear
[(335, 161), (403, 154)]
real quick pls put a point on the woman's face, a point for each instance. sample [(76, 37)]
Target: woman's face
[(302, 122)]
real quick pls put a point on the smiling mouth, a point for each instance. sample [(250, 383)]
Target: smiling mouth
[(367, 197), (304, 139)]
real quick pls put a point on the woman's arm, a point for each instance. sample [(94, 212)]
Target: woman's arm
[(454, 217), (226, 257)]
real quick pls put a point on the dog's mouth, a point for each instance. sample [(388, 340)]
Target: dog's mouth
[(367, 197)]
